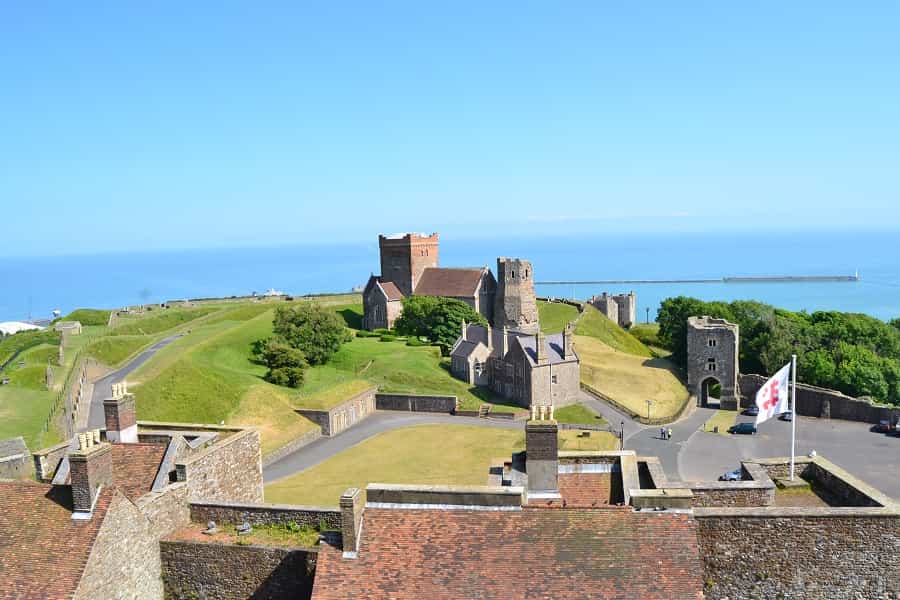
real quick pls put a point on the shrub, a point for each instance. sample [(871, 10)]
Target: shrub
[(286, 364), (438, 319), (314, 330)]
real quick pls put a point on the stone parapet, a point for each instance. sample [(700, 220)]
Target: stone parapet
[(666, 498), (416, 402), (265, 514), (380, 494)]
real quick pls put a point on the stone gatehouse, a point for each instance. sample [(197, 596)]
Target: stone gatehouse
[(712, 358)]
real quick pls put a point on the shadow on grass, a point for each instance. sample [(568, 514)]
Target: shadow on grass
[(352, 318)]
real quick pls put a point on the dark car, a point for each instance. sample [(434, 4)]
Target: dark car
[(787, 416), (883, 427), (743, 428), (752, 411), (731, 475)]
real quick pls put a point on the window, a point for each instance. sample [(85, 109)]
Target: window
[(710, 364), (479, 368), (711, 342), (512, 274), (553, 378), (525, 276)]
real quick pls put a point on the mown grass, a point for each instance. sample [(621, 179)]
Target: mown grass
[(25, 402), (113, 350), (417, 455), (723, 419), (594, 324), (331, 396), (631, 380), (160, 321), (578, 414), (587, 441), (554, 316), (88, 316)]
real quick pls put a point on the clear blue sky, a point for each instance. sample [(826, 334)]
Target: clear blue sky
[(144, 125)]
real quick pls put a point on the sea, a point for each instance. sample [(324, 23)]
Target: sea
[(33, 287)]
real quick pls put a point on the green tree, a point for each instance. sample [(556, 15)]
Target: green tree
[(672, 318), (287, 365), (313, 329), (438, 319)]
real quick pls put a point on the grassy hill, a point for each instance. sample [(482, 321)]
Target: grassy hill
[(554, 316), (25, 402), (594, 324)]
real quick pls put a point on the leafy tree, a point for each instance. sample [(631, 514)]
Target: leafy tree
[(438, 319), (313, 329), (287, 365), (672, 318)]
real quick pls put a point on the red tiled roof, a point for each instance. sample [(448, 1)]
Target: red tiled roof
[(391, 290), (43, 551), (454, 283), (582, 490), (135, 467), (608, 553)]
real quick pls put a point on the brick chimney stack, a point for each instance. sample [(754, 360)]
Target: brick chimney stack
[(541, 456), (121, 422), (351, 520), (90, 469)]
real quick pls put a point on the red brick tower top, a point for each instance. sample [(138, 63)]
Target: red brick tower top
[(405, 256)]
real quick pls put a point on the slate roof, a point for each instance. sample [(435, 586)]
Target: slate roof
[(533, 553), (43, 551), (12, 447), (553, 344), (453, 283)]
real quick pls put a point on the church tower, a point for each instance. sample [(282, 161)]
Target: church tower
[(515, 306), (405, 256)]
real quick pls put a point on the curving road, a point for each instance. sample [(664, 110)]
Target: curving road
[(103, 386)]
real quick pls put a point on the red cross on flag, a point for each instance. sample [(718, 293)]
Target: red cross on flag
[(772, 398)]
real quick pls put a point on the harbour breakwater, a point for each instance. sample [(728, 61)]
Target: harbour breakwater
[(749, 279)]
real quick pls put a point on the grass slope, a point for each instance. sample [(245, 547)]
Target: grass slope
[(578, 414), (631, 380), (415, 455), (594, 324), (112, 350), (159, 322), (88, 316), (25, 402), (554, 316)]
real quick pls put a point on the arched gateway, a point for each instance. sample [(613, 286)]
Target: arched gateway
[(712, 357)]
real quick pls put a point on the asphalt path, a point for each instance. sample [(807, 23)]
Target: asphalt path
[(873, 457), (103, 386), (326, 447)]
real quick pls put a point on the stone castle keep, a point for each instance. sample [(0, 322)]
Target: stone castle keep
[(409, 266), (712, 357), (620, 308)]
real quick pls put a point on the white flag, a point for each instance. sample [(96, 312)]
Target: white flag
[(772, 398)]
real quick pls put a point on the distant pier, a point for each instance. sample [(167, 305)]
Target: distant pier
[(752, 279)]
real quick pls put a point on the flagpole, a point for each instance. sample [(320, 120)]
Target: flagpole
[(793, 409)]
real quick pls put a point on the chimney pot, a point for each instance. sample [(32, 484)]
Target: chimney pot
[(121, 422)]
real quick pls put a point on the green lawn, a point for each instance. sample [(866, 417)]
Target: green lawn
[(594, 324), (587, 441), (25, 403), (723, 419), (88, 316), (331, 396), (159, 321), (427, 454), (554, 316), (578, 414)]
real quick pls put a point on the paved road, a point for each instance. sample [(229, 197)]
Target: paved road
[(103, 386), (873, 457), (381, 421)]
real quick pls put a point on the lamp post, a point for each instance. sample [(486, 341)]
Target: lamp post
[(649, 402), (622, 436), (647, 320)]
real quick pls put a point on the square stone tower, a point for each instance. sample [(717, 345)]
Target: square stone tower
[(515, 306), (405, 256), (712, 357)]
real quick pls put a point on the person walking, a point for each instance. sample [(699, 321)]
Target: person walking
[(670, 433), (662, 433)]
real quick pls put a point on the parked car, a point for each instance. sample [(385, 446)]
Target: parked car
[(752, 410), (743, 428), (883, 427), (787, 416), (734, 475)]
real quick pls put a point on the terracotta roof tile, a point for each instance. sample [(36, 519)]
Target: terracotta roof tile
[(135, 467), (607, 553), (583, 490), (391, 290), (43, 551), (453, 283)]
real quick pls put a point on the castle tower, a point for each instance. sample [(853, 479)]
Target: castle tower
[(712, 357), (626, 305), (405, 256), (514, 304)]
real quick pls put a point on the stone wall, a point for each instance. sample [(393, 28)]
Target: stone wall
[(728, 493), (799, 553), (304, 440), (124, 560), (47, 460), (345, 415), (231, 572), (814, 401), (416, 403), (229, 470), (712, 355), (166, 510), (265, 514)]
